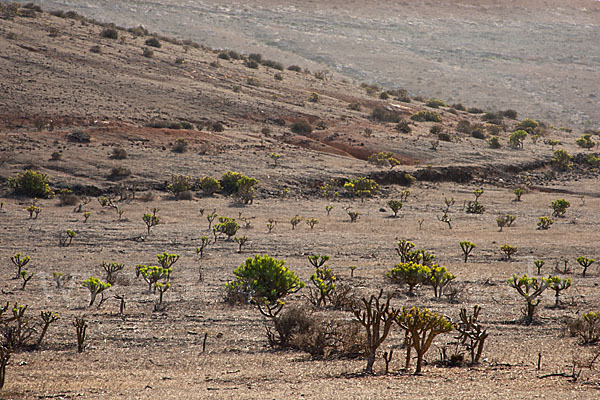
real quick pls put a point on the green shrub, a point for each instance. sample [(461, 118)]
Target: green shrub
[(96, 287), (528, 125), (426, 116), (266, 279), (559, 207), (515, 140), (384, 159), (435, 103), (209, 185), (494, 142), (438, 278), (508, 250), (301, 127), (362, 186), (544, 223), (229, 182), (179, 184), (226, 226), (245, 189), (153, 42), (585, 141), (395, 205), (587, 328), (31, 184), (409, 273), (562, 160), (585, 262)]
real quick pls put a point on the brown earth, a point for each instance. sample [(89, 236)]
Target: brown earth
[(536, 56), (146, 354)]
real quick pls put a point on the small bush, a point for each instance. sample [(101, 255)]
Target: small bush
[(153, 42), (118, 173), (585, 141), (67, 198), (528, 125), (179, 184), (273, 64), (383, 115), (148, 53), (426, 116), (110, 33), (384, 159), (355, 106), (436, 129), (209, 185), (475, 110), (301, 127), (180, 146), (31, 184), (252, 64), (362, 187), (435, 103), (224, 56), (119, 153), (478, 134), (515, 140), (510, 114), (444, 137), (96, 49), (494, 142), (217, 127), (80, 137), (562, 160), (403, 126), (229, 182), (294, 68), (459, 107), (559, 207)]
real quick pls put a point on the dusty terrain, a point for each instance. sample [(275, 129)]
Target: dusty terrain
[(47, 73), (540, 57)]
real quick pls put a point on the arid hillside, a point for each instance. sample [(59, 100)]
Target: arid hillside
[(539, 57)]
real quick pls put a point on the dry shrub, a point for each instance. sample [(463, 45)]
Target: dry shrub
[(146, 197), (317, 334)]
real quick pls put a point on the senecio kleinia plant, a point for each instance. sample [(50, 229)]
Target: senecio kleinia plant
[(559, 207), (421, 327), (153, 274), (96, 287), (530, 289)]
